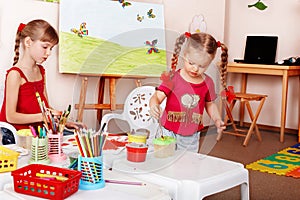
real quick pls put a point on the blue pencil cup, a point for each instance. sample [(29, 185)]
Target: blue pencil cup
[(92, 173)]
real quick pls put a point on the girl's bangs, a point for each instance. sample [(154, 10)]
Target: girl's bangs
[(50, 35)]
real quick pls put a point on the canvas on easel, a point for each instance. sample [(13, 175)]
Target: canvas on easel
[(112, 37)]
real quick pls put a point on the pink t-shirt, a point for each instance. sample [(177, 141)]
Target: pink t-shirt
[(185, 104)]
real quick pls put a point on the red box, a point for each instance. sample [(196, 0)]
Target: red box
[(26, 181)]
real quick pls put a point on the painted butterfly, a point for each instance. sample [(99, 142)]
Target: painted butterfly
[(152, 46), (150, 14), (139, 18), (124, 3), (82, 30)]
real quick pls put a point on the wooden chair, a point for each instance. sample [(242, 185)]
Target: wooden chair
[(244, 98)]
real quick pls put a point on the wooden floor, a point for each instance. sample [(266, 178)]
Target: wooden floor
[(263, 186)]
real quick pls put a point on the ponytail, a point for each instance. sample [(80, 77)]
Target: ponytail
[(223, 65), (17, 44)]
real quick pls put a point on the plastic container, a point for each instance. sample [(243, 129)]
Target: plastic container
[(136, 152), (27, 182), (164, 147), (25, 142), (137, 137), (92, 173), (55, 152), (8, 159), (24, 138), (39, 151)]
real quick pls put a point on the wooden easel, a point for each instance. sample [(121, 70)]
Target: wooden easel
[(100, 106)]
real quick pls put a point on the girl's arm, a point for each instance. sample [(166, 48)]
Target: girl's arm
[(155, 101), (45, 90), (13, 83), (213, 111)]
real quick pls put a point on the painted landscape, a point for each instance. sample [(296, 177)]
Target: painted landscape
[(93, 55), (109, 37)]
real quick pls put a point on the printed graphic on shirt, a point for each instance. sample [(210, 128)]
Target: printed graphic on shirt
[(188, 101)]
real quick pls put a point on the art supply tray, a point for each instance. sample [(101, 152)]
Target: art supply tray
[(46, 181), (8, 159)]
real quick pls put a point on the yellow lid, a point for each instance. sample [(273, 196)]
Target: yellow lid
[(24, 132)]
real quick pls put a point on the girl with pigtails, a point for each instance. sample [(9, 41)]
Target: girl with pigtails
[(189, 90), (26, 78)]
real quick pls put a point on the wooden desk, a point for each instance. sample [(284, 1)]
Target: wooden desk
[(276, 70)]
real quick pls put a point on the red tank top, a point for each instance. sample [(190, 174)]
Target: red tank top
[(27, 102)]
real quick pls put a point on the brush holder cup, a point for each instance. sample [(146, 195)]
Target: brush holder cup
[(92, 172), (55, 147), (39, 151)]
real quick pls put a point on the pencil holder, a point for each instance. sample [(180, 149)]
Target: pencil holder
[(39, 151), (55, 152), (92, 173)]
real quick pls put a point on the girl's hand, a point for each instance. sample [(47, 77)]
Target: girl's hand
[(155, 111), (76, 125), (220, 125)]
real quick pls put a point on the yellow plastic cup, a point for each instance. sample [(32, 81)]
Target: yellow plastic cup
[(137, 138)]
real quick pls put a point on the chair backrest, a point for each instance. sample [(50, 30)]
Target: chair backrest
[(1, 94), (136, 109), (8, 133)]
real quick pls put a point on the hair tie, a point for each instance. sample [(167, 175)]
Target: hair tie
[(21, 27), (187, 34), (218, 44)]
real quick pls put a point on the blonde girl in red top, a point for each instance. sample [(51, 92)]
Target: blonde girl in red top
[(188, 91), (27, 76)]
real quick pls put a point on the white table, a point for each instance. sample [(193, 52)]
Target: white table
[(188, 175), (23, 161), (111, 191)]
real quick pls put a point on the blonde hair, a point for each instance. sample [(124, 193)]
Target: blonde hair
[(37, 30), (202, 42)]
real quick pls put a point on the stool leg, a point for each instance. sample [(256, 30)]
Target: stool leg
[(254, 121), (231, 117), (219, 136), (228, 116), (257, 132)]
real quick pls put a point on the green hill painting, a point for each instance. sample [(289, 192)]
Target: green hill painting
[(95, 56), (107, 37)]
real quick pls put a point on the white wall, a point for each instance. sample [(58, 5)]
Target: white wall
[(64, 89), (280, 18)]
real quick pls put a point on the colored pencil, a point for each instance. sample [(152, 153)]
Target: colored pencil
[(125, 182), (78, 144), (33, 131), (82, 146), (89, 149)]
